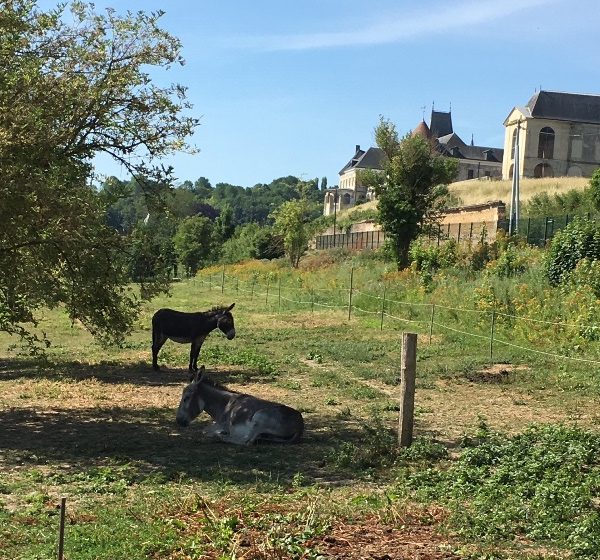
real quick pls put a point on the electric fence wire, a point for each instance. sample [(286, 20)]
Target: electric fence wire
[(437, 324)]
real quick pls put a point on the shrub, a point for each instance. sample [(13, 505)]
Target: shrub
[(510, 263), (379, 449), (252, 241), (541, 485), (585, 274), (429, 258), (580, 239), (482, 254), (571, 202)]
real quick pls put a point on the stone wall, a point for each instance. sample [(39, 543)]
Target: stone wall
[(464, 223)]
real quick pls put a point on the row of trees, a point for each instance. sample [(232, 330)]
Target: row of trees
[(200, 224)]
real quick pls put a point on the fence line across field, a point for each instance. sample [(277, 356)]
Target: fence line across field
[(350, 306), (438, 305), (416, 304)]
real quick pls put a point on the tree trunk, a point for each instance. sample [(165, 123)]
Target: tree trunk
[(402, 247)]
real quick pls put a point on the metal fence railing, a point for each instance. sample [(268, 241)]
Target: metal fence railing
[(536, 231)]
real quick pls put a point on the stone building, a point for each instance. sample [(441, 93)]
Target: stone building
[(559, 136), (474, 162), (350, 189)]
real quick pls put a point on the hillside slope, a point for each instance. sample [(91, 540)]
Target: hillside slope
[(478, 192)]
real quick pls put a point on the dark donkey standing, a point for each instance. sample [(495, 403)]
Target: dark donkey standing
[(189, 327)]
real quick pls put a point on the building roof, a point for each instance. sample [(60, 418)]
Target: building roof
[(440, 124), (422, 130), (574, 107), (451, 140), (373, 158), (453, 146)]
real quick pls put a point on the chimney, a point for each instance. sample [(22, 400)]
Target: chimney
[(357, 148)]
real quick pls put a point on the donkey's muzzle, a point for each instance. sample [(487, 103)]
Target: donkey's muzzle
[(230, 334), (182, 422)]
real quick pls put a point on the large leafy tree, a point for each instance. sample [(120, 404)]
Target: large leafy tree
[(75, 85), (291, 224), (195, 242), (410, 188)]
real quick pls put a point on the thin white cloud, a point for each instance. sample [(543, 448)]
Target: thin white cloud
[(400, 27)]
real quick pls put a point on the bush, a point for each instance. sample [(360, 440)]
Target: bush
[(252, 241), (579, 240), (541, 485), (429, 258), (379, 449), (571, 202), (510, 263)]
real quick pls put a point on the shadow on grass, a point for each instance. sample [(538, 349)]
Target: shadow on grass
[(115, 372), (149, 441)]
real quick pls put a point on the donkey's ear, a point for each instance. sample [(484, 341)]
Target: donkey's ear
[(230, 307), (199, 374)]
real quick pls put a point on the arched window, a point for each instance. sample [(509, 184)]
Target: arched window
[(546, 143), (543, 170), (511, 170), (346, 199)]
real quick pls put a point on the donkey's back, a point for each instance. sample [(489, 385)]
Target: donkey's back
[(177, 325), (253, 419)]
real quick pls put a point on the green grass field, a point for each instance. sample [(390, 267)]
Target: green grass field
[(98, 426)]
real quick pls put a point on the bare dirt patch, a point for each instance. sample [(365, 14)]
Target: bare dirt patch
[(363, 537), (452, 408), (373, 539), (496, 373)]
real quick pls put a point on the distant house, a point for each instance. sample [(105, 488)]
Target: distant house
[(559, 136), (351, 190), (474, 162)]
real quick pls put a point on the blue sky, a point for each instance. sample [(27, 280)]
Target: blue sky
[(289, 88)]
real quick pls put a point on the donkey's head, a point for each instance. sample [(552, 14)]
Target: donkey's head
[(192, 403), (225, 322)]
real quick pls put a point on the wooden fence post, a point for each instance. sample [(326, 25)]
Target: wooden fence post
[(61, 528), (350, 293), (492, 335), (431, 323), (383, 307), (408, 370), (223, 280), (267, 296), (252, 291), (279, 294)]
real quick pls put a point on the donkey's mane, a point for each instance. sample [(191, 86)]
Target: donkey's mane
[(216, 309)]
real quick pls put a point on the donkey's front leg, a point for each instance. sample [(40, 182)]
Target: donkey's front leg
[(215, 431), (194, 352)]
